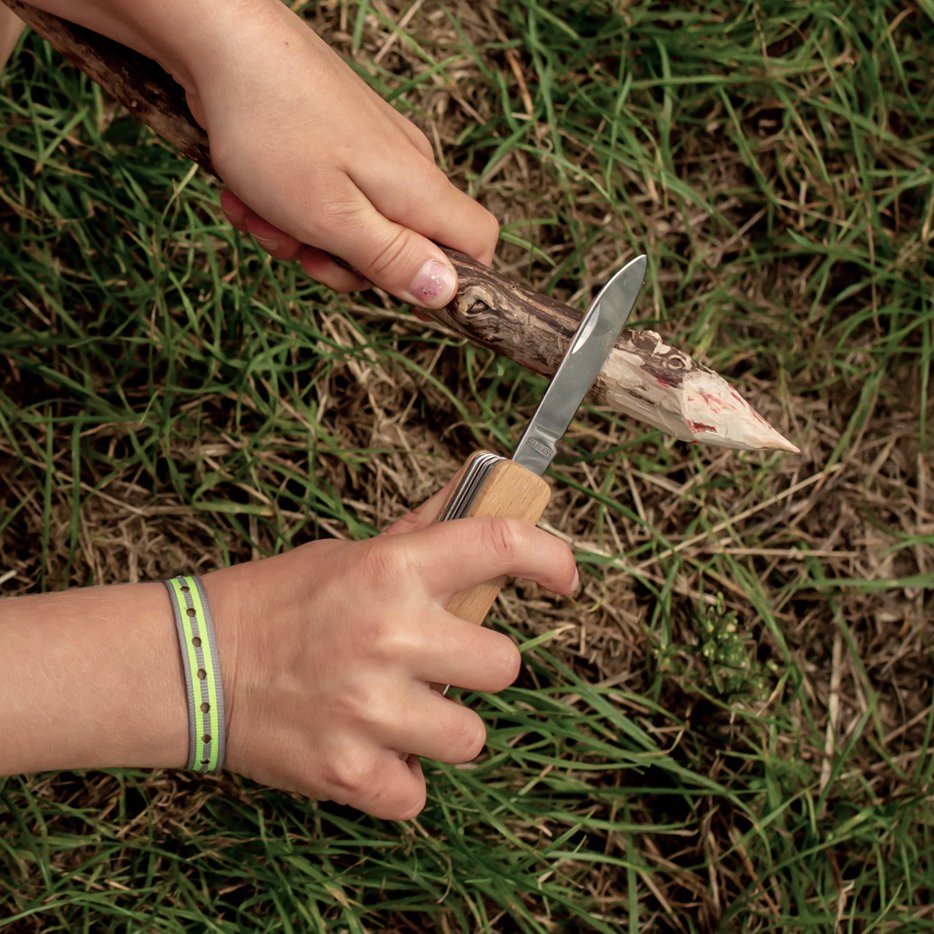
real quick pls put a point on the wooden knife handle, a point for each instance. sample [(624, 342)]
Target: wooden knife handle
[(509, 490)]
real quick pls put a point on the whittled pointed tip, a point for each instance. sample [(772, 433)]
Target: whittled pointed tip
[(781, 443), (717, 414), (772, 440), (745, 436)]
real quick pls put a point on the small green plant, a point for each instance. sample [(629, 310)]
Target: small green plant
[(729, 654), (722, 663)]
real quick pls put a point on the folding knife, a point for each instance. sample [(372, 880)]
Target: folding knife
[(491, 485)]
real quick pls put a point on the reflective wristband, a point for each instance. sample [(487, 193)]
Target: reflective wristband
[(200, 661)]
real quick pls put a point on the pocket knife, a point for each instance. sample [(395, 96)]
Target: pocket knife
[(491, 485)]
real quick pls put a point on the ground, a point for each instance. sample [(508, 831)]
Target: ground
[(731, 727)]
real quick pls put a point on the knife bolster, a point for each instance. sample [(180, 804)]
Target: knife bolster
[(513, 491)]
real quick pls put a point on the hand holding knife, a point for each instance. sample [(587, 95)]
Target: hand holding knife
[(490, 485)]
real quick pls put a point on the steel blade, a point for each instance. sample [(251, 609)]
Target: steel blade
[(589, 348)]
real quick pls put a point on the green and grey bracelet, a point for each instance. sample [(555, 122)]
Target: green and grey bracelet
[(206, 726)]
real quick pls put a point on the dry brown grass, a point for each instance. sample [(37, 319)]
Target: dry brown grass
[(774, 262)]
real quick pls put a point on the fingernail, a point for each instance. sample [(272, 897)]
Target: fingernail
[(269, 244), (576, 586), (434, 284)]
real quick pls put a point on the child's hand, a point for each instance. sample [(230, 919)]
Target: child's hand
[(330, 651), (321, 165)]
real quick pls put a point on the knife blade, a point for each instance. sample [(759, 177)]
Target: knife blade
[(491, 485), (589, 348)]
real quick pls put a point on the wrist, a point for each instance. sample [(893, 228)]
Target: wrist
[(226, 610), (200, 44), (190, 39)]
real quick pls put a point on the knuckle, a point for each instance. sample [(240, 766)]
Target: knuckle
[(412, 805), (359, 703), (474, 738), (492, 226), (337, 212), (502, 537), (383, 565), (391, 253), (348, 775), (288, 249), (565, 563), (428, 179), (385, 642), (382, 629), (223, 153), (423, 144), (470, 738), (504, 663)]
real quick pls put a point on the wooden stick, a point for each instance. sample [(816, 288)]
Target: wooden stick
[(644, 377)]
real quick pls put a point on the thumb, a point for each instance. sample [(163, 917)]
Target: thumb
[(397, 259)]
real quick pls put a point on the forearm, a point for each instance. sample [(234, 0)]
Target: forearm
[(91, 678), (184, 36)]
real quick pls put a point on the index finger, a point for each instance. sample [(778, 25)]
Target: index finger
[(454, 556)]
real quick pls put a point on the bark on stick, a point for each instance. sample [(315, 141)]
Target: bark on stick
[(644, 376)]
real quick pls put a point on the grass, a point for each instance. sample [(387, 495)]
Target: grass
[(732, 728)]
